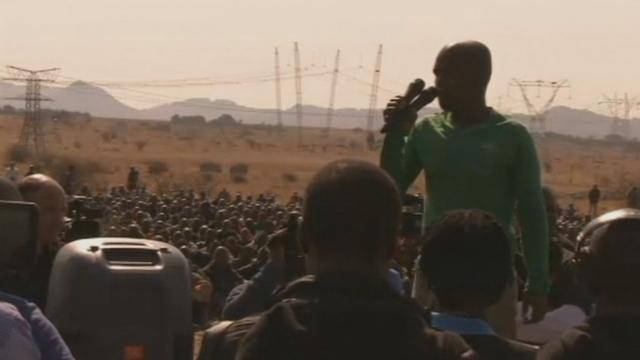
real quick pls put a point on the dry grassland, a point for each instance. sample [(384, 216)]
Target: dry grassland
[(103, 150)]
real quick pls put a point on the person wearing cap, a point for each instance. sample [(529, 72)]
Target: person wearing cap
[(608, 263)]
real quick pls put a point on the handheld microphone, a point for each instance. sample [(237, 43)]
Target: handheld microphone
[(425, 97), (415, 98)]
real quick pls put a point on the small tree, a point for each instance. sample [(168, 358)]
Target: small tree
[(289, 177), (140, 145), (239, 173), (210, 167)]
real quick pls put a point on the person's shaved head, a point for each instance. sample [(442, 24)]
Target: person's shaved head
[(462, 71), (9, 191), (52, 202)]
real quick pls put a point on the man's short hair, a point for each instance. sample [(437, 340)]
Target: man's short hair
[(352, 208), (467, 259)]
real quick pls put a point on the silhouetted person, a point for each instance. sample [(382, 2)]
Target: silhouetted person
[(468, 263), (12, 173), (474, 158), (608, 262), (133, 179), (594, 200), (346, 309), (221, 274)]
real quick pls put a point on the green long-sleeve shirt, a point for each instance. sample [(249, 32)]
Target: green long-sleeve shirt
[(491, 166)]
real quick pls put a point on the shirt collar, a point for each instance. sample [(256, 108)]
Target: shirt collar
[(460, 325)]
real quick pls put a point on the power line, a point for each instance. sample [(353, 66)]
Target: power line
[(201, 105)]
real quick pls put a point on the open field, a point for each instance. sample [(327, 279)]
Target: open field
[(103, 150)]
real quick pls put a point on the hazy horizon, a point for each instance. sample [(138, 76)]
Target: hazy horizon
[(589, 43)]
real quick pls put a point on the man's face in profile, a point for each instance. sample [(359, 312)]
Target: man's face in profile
[(445, 81)]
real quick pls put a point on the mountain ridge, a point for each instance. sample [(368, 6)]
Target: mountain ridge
[(85, 97)]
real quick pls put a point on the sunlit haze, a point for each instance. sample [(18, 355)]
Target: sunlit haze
[(592, 43)]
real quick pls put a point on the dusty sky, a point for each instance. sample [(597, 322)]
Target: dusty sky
[(592, 43)]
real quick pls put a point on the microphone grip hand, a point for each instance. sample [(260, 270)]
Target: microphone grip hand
[(401, 113)]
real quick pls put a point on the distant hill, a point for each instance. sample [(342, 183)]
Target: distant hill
[(84, 97)]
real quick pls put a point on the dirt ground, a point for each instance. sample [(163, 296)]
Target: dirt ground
[(104, 149)]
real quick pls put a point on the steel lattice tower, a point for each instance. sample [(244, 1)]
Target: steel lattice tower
[(620, 126), (278, 90), (373, 99), (32, 134), (298, 71), (537, 122), (332, 95)]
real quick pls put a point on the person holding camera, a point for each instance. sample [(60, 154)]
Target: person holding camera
[(473, 158), (346, 308), (607, 261)]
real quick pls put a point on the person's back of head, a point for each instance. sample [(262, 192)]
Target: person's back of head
[(467, 261), (351, 218), (607, 262)]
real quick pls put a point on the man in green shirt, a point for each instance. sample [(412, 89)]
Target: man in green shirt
[(474, 158)]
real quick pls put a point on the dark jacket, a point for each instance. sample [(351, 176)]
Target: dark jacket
[(223, 278), (603, 337), (334, 316), (254, 296)]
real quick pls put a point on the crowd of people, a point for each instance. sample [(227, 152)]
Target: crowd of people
[(354, 268)]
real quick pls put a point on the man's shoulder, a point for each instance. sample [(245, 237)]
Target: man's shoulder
[(431, 121), (508, 123)]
